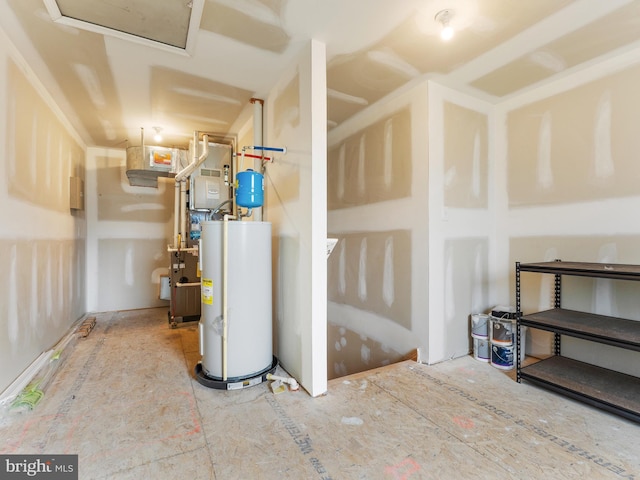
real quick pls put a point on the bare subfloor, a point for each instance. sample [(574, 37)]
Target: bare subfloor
[(127, 402)]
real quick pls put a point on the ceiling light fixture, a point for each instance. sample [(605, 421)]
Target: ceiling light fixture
[(157, 137), (444, 17)]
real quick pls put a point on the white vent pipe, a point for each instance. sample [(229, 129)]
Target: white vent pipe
[(181, 180), (176, 216), (197, 161), (257, 140), (183, 214)]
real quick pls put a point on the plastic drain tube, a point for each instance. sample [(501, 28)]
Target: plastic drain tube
[(293, 383)]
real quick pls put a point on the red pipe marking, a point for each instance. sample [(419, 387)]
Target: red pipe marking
[(12, 447), (254, 156), (464, 422), (404, 469)]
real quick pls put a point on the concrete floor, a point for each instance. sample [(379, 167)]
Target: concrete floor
[(126, 402)]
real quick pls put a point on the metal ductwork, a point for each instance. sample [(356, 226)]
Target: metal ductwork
[(146, 164)]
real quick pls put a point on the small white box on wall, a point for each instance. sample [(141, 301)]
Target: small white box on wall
[(164, 292)]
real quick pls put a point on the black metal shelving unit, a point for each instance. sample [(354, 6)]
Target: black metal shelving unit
[(607, 389)]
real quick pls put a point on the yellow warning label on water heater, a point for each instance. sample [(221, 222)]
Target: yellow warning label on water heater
[(207, 291)]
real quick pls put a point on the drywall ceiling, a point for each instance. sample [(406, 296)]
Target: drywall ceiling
[(110, 87)]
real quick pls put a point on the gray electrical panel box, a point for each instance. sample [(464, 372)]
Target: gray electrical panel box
[(76, 193), (210, 184)]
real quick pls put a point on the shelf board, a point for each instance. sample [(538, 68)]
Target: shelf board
[(607, 389), (589, 326), (616, 271)]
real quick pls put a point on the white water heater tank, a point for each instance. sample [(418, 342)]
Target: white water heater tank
[(249, 319)]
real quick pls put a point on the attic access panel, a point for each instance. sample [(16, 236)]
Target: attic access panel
[(168, 24)]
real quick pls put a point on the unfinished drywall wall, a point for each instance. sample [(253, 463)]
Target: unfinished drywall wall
[(378, 271), (466, 162), (466, 291), (576, 146), (129, 272), (460, 220), (423, 187), (371, 271), (42, 241), (120, 202), (570, 152), (410, 205), (130, 228), (369, 353), (372, 165), (296, 206)]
